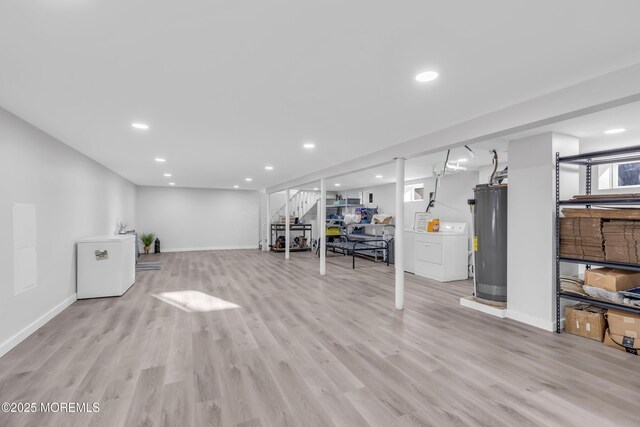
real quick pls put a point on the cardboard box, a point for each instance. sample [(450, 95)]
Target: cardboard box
[(624, 323), (612, 279), (620, 342), (625, 254), (585, 320), (582, 238)]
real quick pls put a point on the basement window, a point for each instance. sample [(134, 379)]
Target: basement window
[(619, 175), (414, 193)]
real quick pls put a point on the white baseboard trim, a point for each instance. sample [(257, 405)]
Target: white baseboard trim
[(561, 325), (469, 302), (209, 248), (531, 320), (510, 314), (34, 326)]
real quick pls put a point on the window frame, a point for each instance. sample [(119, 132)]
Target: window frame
[(409, 190), (610, 182)]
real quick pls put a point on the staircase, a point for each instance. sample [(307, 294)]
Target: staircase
[(300, 204)]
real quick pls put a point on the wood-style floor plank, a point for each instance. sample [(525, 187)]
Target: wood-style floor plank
[(245, 338)]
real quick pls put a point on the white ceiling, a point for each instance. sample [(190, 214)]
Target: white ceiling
[(417, 168), (589, 129), (229, 87)]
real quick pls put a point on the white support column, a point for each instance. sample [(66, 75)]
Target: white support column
[(287, 224), (267, 234), (322, 223), (398, 239), (531, 200)]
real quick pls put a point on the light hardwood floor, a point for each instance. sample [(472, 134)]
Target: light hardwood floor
[(301, 350)]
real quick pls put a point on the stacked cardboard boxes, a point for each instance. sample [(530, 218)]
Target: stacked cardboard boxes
[(621, 241), (623, 330), (625, 214), (581, 237), (604, 235)]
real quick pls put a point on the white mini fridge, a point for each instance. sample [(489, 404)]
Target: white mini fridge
[(106, 266)]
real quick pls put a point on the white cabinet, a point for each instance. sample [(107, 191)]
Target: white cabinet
[(106, 266), (428, 250), (441, 256)]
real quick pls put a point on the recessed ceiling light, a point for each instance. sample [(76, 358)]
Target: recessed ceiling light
[(248, 179), (167, 175), (378, 176), (269, 168), (426, 76), (160, 160), (614, 131), (236, 186), (141, 126), (172, 183), (309, 145), (336, 185), (315, 188), (462, 160)]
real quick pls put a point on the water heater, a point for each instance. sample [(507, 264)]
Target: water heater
[(490, 241)]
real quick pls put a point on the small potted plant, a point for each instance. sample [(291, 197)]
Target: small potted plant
[(147, 240)]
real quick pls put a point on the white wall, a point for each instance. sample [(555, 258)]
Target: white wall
[(199, 219), (451, 200), (451, 203), (75, 197), (384, 197), (277, 201), (531, 225)]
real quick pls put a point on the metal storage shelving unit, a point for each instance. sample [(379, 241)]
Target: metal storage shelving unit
[(588, 160), (338, 209), (368, 235), (279, 229), (333, 209), (365, 237)]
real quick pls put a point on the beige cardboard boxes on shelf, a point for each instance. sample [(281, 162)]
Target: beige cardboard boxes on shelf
[(612, 279), (586, 321), (621, 241), (623, 332), (601, 234), (582, 238)]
